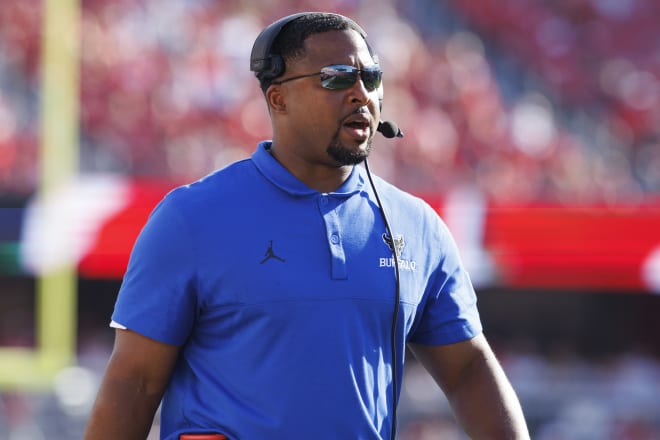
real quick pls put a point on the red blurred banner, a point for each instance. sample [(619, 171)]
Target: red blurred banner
[(536, 246), (573, 247), (109, 255)]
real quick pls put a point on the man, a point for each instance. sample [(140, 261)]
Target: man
[(269, 299)]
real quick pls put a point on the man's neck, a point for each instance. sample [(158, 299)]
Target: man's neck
[(323, 177)]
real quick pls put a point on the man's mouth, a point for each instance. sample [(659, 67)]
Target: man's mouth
[(358, 127)]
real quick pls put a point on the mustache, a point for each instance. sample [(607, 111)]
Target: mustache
[(362, 112)]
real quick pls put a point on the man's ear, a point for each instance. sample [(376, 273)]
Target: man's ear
[(276, 98)]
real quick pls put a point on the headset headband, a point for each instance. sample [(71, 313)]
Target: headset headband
[(268, 65)]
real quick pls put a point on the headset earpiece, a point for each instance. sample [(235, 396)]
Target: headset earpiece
[(262, 62), (274, 67)]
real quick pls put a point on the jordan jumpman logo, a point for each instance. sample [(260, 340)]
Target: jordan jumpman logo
[(271, 254)]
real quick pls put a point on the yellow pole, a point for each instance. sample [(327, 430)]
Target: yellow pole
[(57, 291), (56, 299)]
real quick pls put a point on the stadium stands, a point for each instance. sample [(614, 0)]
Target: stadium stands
[(563, 96)]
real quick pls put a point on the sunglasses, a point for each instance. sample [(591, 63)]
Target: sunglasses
[(339, 76)]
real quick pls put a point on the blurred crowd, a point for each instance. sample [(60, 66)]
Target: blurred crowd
[(522, 100), (563, 399)]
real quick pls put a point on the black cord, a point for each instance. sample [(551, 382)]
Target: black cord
[(397, 295)]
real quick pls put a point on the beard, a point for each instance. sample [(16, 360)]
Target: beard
[(346, 156)]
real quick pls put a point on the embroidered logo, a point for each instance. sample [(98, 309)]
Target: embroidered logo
[(270, 254), (397, 243)]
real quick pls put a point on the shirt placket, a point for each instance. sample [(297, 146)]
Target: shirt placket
[(328, 207)]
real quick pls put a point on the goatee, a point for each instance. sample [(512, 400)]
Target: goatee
[(345, 156)]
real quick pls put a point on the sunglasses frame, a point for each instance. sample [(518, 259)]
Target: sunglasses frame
[(335, 71)]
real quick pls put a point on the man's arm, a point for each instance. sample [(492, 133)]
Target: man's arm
[(134, 382), (480, 395)]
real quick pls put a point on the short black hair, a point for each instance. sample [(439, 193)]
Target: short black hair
[(290, 42)]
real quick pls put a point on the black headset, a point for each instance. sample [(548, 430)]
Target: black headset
[(267, 65)]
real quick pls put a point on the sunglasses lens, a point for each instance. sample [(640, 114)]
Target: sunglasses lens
[(371, 77), (338, 77), (343, 77)]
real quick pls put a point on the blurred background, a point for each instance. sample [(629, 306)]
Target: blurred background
[(532, 126)]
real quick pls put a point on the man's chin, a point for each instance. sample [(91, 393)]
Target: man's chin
[(347, 156)]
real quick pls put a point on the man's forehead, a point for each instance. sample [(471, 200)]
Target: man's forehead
[(344, 43)]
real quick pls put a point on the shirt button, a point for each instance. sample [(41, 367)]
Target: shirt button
[(324, 200), (334, 239)]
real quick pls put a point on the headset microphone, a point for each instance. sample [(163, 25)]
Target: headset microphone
[(389, 129)]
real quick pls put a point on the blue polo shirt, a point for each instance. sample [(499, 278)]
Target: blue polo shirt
[(281, 299)]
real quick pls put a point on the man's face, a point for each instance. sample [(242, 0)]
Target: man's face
[(333, 127)]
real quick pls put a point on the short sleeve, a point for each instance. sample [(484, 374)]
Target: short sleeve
[(157, 297), (449, 313)]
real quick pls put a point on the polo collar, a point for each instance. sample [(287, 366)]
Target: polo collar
[(279, 176)]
